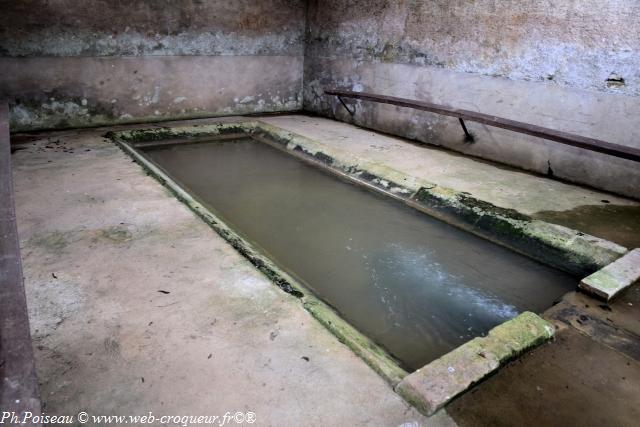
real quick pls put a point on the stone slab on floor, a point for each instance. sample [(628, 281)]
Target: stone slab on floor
[(623, 312), (616, 325), (436, 384), (572, 381), (607, 282), (136, 305)]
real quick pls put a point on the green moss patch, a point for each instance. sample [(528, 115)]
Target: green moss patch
[(433, 386)]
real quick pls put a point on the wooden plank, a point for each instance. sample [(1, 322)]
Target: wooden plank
[(19, 392), (621, 151)]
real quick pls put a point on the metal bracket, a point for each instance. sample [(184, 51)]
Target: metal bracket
[(596, 145), (467, 136), (351, 112)]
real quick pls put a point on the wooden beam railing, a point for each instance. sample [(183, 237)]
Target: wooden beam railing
[(19, 394), (621, 151)]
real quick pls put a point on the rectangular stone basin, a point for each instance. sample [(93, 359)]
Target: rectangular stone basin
[(413, 284)]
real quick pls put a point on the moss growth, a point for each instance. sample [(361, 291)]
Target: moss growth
[(512, 338), (560, 247), (488, 208), (433, 386), (54, 242), (161, 133), (377, 358), (389, 53), (604, 282), (116, 233)]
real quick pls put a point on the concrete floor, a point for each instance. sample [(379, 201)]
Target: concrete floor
[(571, 382), (136, 305), (588, 376), (101, 240)]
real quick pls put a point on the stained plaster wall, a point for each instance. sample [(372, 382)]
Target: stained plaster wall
[(69, 63), (571, 65)]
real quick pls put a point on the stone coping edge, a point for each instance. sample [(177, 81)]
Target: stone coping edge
[(612, 279), (433, 386)]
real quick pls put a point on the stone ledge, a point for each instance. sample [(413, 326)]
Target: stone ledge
[(433, 386), (610, 280)]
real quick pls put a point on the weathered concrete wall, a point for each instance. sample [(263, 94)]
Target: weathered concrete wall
[(75, 63), (568, 65)]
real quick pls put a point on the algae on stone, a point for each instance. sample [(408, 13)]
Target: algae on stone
[(432, 387)]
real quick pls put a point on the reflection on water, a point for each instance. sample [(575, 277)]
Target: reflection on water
[(415, 285)]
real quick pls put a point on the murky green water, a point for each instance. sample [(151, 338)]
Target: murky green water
[(415, 285)]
